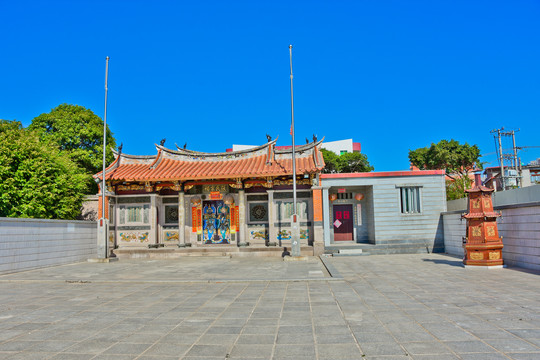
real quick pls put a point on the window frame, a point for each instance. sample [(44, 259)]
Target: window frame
[(124, 208), (413, 199), (258, 222)]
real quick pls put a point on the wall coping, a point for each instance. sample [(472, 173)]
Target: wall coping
[(383, 174), (23, 220), (500, 207)]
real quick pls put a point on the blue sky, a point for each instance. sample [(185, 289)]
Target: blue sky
[(392, 75)]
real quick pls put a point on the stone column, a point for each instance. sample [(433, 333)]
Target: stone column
[(272, 231), (326, 216), (181, 220), (242, 234), (153, 217)]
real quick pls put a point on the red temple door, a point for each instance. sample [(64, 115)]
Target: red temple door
[(343, 222)]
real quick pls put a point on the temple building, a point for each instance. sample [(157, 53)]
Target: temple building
[(240, 199)]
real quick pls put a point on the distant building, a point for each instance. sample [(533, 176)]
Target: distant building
[(527, 175), (338, 147)]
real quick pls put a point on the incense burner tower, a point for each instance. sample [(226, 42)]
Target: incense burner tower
[(482, 243)]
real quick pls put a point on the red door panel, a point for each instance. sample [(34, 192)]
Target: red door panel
[(343, 223)]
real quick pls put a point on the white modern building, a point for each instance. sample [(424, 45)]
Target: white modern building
[(338, 147)]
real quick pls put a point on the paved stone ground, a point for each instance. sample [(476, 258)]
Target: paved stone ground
[(384, 307)]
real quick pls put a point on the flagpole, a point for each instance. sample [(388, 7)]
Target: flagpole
[(104, 139), (103, 226), (295, 229)]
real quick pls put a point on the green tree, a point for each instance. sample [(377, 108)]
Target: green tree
[(458, 160), (37, 180), (345, 163), (79, 132), (354, 162), (331, 161)]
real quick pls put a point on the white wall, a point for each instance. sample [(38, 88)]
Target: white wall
[(35, 243), (338, 146)]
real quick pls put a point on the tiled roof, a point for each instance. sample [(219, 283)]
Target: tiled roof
[(183, 164)]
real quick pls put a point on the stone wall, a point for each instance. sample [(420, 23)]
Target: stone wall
[(519, 226), (35, 243)]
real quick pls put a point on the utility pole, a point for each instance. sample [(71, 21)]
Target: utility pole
[(500, 154), (511, 158), (518, 174)]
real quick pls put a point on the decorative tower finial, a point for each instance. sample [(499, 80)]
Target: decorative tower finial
[(268, 137), (314, 138), (185, 145), (120, 147), (162, 142)]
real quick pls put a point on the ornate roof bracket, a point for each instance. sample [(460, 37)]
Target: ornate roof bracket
[(271, 154), (238, 184), (157, 160)]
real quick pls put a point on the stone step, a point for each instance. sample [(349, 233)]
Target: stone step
[(210, 251), (381, 249)]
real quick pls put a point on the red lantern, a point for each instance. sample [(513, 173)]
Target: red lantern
[(359, 196)]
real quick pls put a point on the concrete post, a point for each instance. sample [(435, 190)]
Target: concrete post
[(318, 229), (326, 216)]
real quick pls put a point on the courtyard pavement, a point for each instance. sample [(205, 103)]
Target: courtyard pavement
[(424, 306)]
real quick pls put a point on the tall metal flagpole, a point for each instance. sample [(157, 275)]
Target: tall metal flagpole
[(295, 228), (103, 226), (104, 139)]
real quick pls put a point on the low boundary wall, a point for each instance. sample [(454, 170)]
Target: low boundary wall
[(35, 243), (519, 226)]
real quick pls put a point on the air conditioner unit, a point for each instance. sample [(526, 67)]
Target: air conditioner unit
[(511, 172)]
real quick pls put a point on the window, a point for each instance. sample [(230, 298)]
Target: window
[(285, 210), (134, 214), (410, 200), (258, 212), (344, 196), (171, 214)]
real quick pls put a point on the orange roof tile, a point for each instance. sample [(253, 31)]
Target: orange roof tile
[(170, 165)]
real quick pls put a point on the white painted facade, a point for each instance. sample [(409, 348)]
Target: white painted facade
[(338, 147)]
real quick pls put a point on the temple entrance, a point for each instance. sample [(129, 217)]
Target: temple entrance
[(343, 222), (216, 222)]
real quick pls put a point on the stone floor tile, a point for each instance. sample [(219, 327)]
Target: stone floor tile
[(483, 356), (512, 346), (362, 337), (166, 349), (339, 351), (127, 348), (426, 348), (469, 346), (252, 351), (283, 351), (209, 350), (295, 338), (253, 330), (256, 339), (72, 356), (525, 356), (16, 345), (384, 348)]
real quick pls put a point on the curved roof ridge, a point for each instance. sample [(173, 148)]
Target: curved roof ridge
[(298, 148), (181, 151), (133, 157)]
